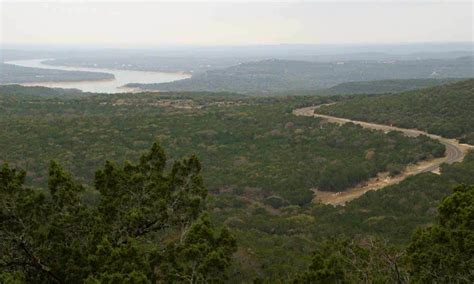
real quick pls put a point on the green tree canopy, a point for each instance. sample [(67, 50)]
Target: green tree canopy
[(444, 252), (147, 225)]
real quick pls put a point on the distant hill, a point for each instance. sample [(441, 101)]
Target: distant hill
[(447, 110), (284, 75), (22, 92), (12, 74), (145, 63), (387, 86)]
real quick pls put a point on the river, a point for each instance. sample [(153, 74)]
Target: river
[(122, 77)]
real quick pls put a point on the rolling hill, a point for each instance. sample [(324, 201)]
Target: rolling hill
[(285, 75), (446, 110)]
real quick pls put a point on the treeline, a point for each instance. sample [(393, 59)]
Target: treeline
[(445, 110)]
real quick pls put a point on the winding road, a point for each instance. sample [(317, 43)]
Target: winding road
[(455, 152)]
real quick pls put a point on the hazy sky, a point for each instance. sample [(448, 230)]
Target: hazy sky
[(119, 23)]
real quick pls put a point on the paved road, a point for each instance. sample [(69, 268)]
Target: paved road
[(455, 152)]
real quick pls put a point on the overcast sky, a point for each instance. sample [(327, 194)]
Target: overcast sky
[(157, 23)]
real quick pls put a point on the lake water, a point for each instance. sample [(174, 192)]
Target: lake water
[(122, 77)]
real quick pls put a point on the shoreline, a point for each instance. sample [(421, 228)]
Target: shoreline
[(29, 84), (119, 80), (118, 69), (136, 90)]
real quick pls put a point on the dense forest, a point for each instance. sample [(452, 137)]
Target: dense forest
[(148, 222), (278, 240), (244, 199), (446, 110), (245, 145), (240, 142), (282, 75), (12, 74)]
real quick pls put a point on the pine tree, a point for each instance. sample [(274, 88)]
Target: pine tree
[(147, 221)]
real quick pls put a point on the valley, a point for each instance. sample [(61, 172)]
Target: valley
[(261, 157), (236, 142)]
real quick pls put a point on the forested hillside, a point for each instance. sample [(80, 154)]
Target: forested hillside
[(387, 86), (258, 162), (445, 110), (279, 240), (120, 230), (283, 75), (240, 142), (244, 144)]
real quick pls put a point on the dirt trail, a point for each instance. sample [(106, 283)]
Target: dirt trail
[(455, 152)]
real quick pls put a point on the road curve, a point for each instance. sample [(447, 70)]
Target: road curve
[(455, 152)]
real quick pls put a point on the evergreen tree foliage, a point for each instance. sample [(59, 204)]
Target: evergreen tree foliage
[(444, 252), (148, 225)]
